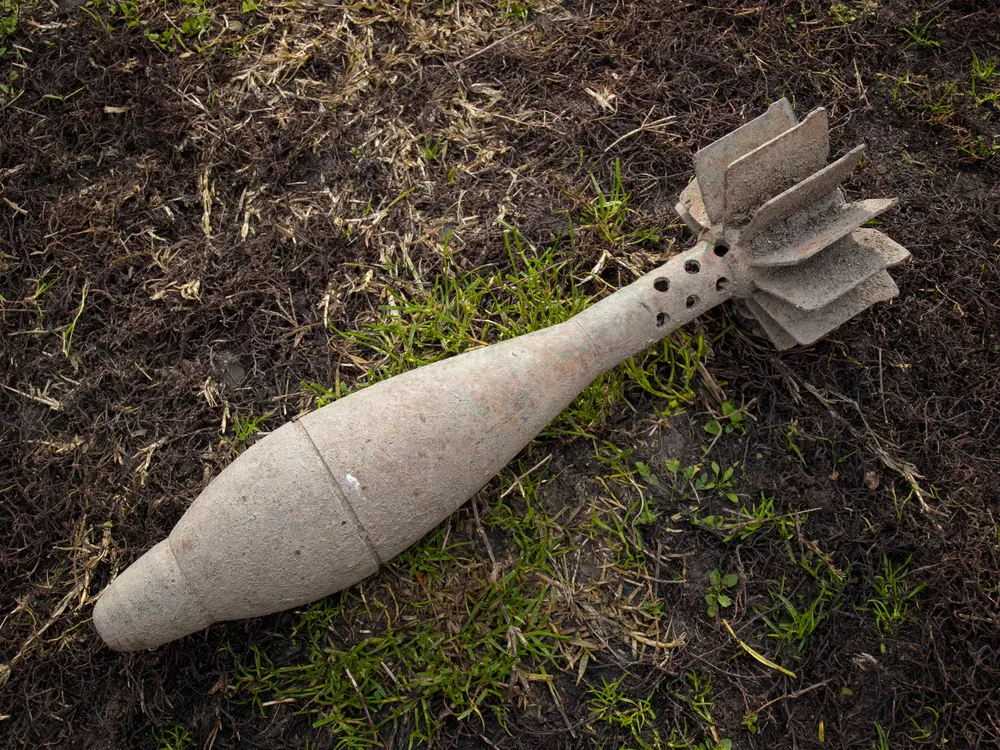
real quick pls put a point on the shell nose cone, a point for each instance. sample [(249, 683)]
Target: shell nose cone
[(149, 604)]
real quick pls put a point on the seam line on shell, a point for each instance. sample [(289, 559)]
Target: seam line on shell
[(586, 334), (359, 528), (189, 585)]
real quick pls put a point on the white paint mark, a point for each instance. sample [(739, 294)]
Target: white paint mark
[(353, 482)]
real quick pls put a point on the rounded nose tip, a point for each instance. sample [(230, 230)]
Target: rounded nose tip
[(149, 604)]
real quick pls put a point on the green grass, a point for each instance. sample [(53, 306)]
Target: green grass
[(610, 704), (433, 658), (893, 595), (790, 624), (462, 310), (984, 82), (608, 212), (920, 33), (246, 427), (175, 737)]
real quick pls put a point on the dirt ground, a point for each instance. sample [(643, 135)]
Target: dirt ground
[(197, 195)]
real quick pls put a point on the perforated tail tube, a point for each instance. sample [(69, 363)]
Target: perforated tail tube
[(317, 505)]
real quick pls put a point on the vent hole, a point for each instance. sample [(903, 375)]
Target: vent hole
[(692, 300), (720, 250), (661, 284), (721, 284), (692, 266), (661, 320)]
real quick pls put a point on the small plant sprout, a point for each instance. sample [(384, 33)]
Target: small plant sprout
[(983, 82), (647, 474), (609, 704), (920, 33), (729, 422), (176, 737), (246, 427), (881, 738), (608, 211), (893, 595), (718, 479), (841, 13), (718, 585), (791, 625)]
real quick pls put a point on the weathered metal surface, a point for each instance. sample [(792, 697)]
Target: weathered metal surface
[(809, 327), (711, 162), (779, 336), (691, 208), (788, 244), (775, 166), (323, 501), (844, 265), (802, 196)]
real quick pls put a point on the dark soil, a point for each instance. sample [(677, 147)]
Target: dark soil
[(128, 173)]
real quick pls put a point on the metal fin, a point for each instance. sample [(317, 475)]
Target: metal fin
[(789, 243), (779, 337), (802, 196), (823, 278), (772, 168), (765, 197), (808, 327), (691, 208), (711, 162)]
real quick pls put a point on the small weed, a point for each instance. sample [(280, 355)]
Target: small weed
[(983, 82), (10, 17), (174, 738), (433, 149), (979, 147), (535, 534), (620, 531), (934, 102), (647, 474), (718, 585), (697, 698), (749, 520), (323, 394), (920, 33), (791, 432), (127, 11), (881, 738), (617, 460), (893, 595), (193, 21), (609, 704), (731, 421), (245, 427), (924, 726), (517, 10), (608, 211), (841, 13), (790, 625), (717, 479)]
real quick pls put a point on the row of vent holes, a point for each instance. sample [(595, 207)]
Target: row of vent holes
[(662, 284)]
